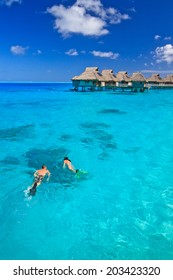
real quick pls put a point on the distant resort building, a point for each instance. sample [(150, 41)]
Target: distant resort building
[(138, 82), (122, 79), (92, 80), (154, 80), (108, 79), (168, 81)]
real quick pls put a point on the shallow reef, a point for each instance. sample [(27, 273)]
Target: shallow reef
[(17, 133), (87, 140), (53, 159), (65, 137), (9, 160), (111, 111), (94, 125), (96, 133)]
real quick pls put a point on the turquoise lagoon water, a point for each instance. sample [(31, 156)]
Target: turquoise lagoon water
[(123, 207)]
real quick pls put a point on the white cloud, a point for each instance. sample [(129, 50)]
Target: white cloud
[(18, 50), (157, 37), (132, 10), (10, 2), (89, 18), (156, 71), (110, 55), (72, 52), (39, 52), (75, 20), (111, 15), (167, 38), (90, 5), (164, 54)]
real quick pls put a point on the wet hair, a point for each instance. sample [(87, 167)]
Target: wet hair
[(66, 158), (43, 166)]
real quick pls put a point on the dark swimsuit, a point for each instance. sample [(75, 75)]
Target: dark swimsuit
[(38, 179)]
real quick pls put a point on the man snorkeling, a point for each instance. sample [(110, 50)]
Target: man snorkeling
[(67, 163), (39, 176)]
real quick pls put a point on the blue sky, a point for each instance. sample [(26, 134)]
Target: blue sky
[(52, 40)]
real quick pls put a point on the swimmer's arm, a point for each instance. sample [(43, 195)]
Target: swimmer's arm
[(64, 165), (35, 173)]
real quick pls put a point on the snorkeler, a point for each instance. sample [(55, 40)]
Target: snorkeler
[(67, 163), (39, 176)]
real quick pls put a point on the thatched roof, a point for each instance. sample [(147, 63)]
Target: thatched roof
[(168, 79), (122, 77), (155, 78), (108, 76), (90, 74), (93, 74), (137, 77), (89, 69), (74, 78)]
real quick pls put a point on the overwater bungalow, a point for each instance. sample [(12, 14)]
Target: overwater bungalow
[(109, 80), (154, 81), (90, 79), (122, 79), (137, 82), (168, 81)]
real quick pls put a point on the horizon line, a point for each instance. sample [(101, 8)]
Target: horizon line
[(32, 82)]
